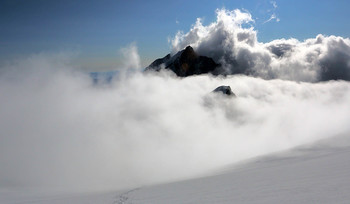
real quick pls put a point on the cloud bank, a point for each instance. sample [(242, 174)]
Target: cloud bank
[(59, 130), (232, 41)]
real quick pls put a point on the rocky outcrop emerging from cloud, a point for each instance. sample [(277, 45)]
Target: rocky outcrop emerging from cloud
[(226, 90), (232, 41), (185, 63)]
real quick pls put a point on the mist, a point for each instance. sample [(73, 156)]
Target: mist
[(60, 130)]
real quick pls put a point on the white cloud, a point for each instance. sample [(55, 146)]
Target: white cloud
[(131, 57), (274, 4), (273, 15), (58, 130), (232, 41)]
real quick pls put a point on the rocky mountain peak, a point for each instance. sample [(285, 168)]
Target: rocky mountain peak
[(185, 63)]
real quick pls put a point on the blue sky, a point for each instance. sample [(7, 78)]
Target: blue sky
[(96, 30)]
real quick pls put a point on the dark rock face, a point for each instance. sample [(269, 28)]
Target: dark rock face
[(185, 63), (226, 90), (156, 64)]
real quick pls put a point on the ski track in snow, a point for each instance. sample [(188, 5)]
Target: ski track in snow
[(124, 197)]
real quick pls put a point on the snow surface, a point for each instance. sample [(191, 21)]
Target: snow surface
[(317, 173)]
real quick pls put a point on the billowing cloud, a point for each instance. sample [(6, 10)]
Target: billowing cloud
[(58, 130), (131, 57), (232, 41)]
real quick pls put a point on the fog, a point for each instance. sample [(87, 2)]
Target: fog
[(60, 130)]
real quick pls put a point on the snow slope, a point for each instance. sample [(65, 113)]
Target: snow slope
[(318, 173)]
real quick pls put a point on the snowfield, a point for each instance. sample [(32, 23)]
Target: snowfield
[(317, 173)]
